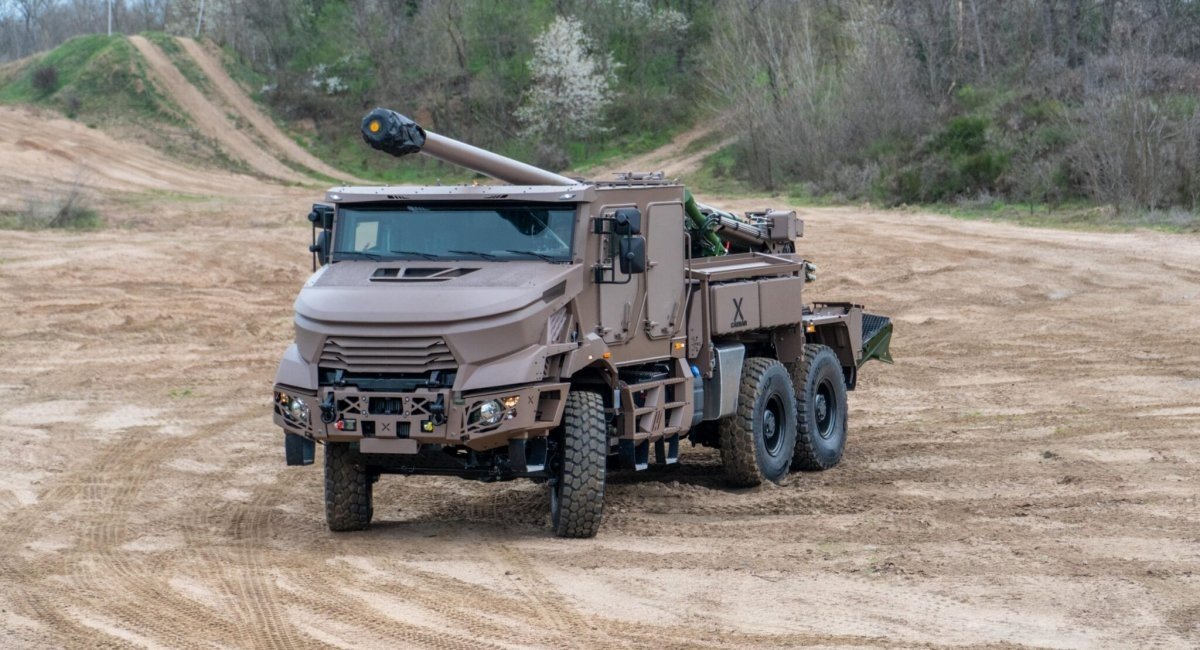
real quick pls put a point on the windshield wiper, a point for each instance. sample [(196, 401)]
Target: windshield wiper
[(548, 258), (428, 256), (360, 254), (486, 256)]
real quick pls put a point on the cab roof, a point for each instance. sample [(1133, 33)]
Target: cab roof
[(581, 193)]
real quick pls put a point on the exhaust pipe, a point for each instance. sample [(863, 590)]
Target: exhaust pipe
[(395, 134)]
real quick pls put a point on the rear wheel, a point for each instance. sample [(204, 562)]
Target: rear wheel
[(577, 486), (348, 485), (757, 441), (821, 402)]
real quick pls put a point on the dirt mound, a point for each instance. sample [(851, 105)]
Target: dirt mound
[(246, 109), (41, 152), (210, 119)]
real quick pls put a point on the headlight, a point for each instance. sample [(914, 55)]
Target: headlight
[(490, 412), (294, 408), (298, 409)]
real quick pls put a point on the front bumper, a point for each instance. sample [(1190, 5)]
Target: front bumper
[(398, 423)]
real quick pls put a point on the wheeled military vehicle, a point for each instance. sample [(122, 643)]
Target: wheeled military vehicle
[(549, 328)]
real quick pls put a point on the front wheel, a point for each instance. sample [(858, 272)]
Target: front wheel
[(577, 483), (821, 401), (347, 489)]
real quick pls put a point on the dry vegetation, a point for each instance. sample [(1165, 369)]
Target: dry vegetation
[(1030, 101)]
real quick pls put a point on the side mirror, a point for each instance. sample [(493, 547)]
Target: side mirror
[(633, 255), (321, 247), (627, 221), (321, 216)]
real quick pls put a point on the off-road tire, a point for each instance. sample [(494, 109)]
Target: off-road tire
[(821, 405), (577, 496), (347, 489), (757, 441)]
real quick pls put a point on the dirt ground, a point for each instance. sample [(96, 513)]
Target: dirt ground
[(1026, 474)]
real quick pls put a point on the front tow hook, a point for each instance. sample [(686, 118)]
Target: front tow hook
[(437, 410), (328, 415)]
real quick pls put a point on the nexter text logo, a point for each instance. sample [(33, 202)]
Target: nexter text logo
[(738, 319)]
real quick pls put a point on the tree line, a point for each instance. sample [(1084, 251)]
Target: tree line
[(890, 100)]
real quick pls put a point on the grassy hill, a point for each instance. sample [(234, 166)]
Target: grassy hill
[(103, 82)]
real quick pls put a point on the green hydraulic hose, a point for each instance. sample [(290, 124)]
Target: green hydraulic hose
[(709, 241)]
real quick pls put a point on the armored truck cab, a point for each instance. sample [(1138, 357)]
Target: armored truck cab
[(552, 328)]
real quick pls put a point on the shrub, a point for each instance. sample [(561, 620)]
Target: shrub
[(72, 103), (962, 136), (45, 79), (68, 210)]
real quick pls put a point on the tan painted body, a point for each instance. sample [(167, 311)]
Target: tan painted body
[(531, 330)]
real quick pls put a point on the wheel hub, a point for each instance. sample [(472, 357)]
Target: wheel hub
[(771, 422), (825, 409)]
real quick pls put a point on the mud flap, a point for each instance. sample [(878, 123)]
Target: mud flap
[(877, 339), (666, 450), (635, 456), (298, 449)]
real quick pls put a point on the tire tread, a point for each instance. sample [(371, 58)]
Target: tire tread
[(807, 456), (585, 453), (347, 489), (738, 444)]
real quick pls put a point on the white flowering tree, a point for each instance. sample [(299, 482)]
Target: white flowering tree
[(572, 84)]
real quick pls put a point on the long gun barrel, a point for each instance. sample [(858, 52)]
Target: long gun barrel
[(393, 133)]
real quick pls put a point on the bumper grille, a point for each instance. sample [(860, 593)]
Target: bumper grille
[(385, 354)]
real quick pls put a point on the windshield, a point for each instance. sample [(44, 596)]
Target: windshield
[(437, 231)]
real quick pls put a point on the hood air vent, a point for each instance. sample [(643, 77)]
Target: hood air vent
[(417, 274)]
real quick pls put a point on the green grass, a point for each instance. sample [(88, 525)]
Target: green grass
[(243, 74), (589, 155), (100, 79), (1075, 216), (67, 209), (717, 176), (352, 155), (181, 60), (346, 151)]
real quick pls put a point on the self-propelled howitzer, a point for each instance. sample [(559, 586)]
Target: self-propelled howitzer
[(551, 328)]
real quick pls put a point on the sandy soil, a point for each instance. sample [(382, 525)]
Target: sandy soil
[(1026, 474)]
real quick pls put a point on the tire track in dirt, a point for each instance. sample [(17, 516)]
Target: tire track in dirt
[(1023, 475), (210, 119), (137, 599), (145, 604), (249, 529)]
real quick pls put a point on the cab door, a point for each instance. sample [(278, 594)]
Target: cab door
[(650, 305), (665, 270)]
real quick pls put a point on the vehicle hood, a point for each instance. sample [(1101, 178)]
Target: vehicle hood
[(427, 292)]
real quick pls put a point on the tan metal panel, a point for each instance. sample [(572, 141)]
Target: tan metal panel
[(779, 301), (664, 278), (735, 307), (388, 446)]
